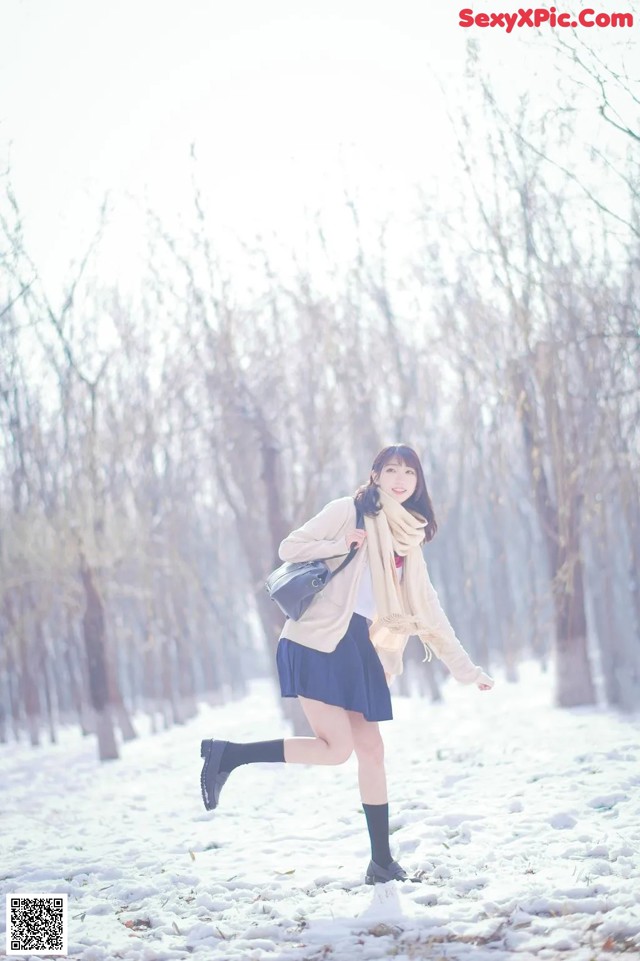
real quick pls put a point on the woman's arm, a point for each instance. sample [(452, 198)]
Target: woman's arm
[(321, 536), (442, 639)]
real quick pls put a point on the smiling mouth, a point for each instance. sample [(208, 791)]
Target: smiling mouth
[(399, 490)]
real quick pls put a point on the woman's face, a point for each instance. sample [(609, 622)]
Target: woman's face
[(397, 479)]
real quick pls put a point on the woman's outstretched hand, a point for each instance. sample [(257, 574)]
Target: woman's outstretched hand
[(357, 537), (484, 682)]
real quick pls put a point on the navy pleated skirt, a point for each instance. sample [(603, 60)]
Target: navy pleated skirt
[(351, 676)]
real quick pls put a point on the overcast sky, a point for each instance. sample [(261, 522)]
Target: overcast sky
[(284, 100)]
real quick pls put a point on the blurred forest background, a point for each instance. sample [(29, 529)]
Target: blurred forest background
[(156, 444)]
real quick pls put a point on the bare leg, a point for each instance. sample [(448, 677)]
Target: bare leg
[(369, 748), (333, 743)]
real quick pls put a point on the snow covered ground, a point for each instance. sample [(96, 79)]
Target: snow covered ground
[(524, 819)]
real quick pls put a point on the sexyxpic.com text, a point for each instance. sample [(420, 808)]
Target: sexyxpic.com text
[(543, 17)]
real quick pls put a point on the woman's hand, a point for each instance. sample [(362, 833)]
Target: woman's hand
[(484, 682), (357, 537)]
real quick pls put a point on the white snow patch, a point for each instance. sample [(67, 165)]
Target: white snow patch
[(524, 845)]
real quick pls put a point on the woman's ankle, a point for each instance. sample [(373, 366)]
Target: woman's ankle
[(377, 816)]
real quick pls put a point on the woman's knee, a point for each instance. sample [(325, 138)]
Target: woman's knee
[(370, 749), (339, 751)]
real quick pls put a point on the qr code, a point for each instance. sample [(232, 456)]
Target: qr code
[(37, 924)]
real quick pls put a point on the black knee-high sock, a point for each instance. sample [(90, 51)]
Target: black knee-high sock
[(236, 754), (377, 816)]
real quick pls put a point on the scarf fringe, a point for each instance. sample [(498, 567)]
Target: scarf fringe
[(402, 624), (399, 624), (428, 653)]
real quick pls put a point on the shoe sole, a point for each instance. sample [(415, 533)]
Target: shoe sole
[(370, 879)]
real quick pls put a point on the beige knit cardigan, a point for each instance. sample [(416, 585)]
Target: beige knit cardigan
[(325, 622)]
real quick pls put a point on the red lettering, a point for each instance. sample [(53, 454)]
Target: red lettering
[(537, 16)]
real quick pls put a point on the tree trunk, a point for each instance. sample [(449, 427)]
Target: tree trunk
[(72, 660), (169, 710), (29, 692), (150, 681), (93, 626), (183, 641), (627, 640), (574, 684), (248, 520), (116, 700), (631, 510), (604, 612), (14, 695), (560, 526), (503, 626), (432, 682), (47, 686)]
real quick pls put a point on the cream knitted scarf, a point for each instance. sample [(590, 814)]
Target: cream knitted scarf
[(402, 606)]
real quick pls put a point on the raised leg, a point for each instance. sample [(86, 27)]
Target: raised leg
[(333, 741)]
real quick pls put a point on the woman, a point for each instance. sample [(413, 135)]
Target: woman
[(340, 655)]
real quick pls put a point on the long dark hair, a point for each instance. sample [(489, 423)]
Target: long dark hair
[(366, 496)]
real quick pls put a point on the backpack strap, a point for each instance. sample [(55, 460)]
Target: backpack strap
[(352, 552)]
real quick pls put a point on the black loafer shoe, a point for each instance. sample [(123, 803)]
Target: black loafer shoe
[(379, 875), (212, 779)]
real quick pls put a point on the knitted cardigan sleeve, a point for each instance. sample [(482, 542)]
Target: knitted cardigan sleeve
[(322, 536), (442, 640)]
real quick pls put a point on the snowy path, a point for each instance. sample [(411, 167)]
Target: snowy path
[(525, 820)]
